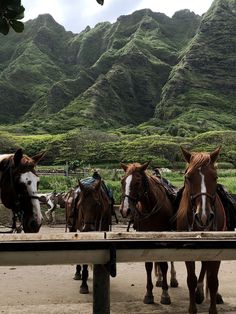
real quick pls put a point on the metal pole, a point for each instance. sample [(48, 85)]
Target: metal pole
[(101, 289)]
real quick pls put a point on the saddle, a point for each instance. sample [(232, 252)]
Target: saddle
[(229, 204)]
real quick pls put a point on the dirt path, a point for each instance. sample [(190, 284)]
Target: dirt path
[(51, 289)]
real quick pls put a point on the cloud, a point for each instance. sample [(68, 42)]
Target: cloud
[(75, 15)]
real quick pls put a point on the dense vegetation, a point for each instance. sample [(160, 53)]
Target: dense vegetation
[(133, 90)]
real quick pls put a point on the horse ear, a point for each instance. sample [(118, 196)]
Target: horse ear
[(187, 154), (123, 166), (38, 157), (214, 155), (18, 156), (81, 185), (144, 166)]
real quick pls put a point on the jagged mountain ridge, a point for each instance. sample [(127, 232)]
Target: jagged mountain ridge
[(200, 94), (108, 76)]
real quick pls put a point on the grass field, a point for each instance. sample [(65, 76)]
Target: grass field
[(61, 183)]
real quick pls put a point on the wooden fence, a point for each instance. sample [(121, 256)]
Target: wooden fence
[(105, 249)]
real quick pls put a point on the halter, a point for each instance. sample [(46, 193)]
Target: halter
[(212, 221), (154, 210), (18, 213)]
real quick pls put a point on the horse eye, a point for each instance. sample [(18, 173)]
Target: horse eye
[(29, 182)]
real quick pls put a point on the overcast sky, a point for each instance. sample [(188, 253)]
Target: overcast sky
[(75, 15)]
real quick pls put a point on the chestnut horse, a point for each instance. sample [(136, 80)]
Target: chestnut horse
[(200, 209), (18, 187), (145, 198)]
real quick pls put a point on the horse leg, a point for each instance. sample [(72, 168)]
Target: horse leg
[(149, 299), (165, 298), (84, 287), (77, 275), (199, 295), (213, 283), (192, 284), (158, 274), (173, 280)]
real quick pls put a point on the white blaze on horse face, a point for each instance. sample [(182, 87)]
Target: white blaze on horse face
[(127, 192), (31, 182), (203, 190)]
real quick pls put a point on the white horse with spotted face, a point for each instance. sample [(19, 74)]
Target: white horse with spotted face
[(19, 186)]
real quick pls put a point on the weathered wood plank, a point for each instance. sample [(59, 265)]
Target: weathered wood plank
[(216, 235)]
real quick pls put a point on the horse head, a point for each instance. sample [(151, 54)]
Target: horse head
[(19, 186), (134, 186), (201, 188)]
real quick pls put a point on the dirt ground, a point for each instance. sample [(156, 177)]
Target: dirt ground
[(51, 289)]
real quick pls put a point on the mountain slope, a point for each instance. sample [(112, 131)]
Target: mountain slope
[(201, 92), (108, 76)]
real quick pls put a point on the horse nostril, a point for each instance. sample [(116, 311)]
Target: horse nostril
[(212, 216), (196, 216)]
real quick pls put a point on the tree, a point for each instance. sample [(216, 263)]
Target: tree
[(11, 11)]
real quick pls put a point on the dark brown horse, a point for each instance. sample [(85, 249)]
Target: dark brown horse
[(145, 198), (94, 214), (88, 208), (18, 185), (200, 209)]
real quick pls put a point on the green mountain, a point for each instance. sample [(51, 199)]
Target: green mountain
[(200, 94), (132, 90), (105, 77)]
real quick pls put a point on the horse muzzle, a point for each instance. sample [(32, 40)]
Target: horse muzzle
[(88, 227), (32, 226)]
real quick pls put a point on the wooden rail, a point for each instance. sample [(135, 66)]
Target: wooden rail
[(104, 249)]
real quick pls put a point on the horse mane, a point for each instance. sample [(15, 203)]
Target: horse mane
[(198, 160)]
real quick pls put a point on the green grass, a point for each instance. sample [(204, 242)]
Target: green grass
[(112, 179)]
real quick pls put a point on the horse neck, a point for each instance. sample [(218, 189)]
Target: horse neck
[(156, 196)]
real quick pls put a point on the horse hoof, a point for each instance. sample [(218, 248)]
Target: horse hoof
[(77, 276), (159, 283), (148, 299), (199, 297), (165, 300), (174, 283), (84, 290), (219, 299)]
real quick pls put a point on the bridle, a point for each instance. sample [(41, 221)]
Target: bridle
[(195, 220), (18, 212), (140, 196)]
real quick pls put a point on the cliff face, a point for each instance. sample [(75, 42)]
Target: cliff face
[(200, 94), (108, 76)]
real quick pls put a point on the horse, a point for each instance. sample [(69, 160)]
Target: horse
[(88, 208), (94, 214), (145, 199), (18, 186), (52, 200), (200, 209)]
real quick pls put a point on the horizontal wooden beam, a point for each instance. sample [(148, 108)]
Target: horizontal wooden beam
[(94, 248)]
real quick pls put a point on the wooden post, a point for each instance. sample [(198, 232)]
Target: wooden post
[(101, 289)]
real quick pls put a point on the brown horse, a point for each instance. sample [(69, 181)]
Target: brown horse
[(145, 198), (94, 214), (88, 208), (200, 209), (18, 186)]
